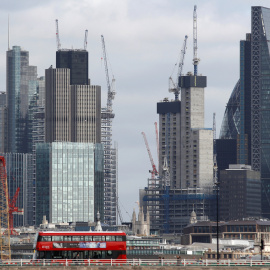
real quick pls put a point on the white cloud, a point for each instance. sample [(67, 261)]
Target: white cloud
[(143, 39)]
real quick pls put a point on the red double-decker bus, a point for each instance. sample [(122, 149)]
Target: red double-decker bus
[(63, 245)]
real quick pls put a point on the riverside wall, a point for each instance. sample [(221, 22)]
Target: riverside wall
[(133, 267)]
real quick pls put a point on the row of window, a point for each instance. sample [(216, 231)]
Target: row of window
[(68, 238), (86, 254)]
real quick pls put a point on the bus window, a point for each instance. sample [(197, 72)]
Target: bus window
[(77, 238), (88, 238), (98, 238), (67, 238), (110, 238), (46, 239), (57, 238), (119, 238)]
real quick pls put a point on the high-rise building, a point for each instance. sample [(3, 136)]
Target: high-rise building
[(248, 120), (77, 62), (3, 122), (184, 140), (72, 112), (196, 140), (260, 95), (169, 139), (70, 181), (188, 147), (20, 174), (241, 186), (73, 158), (21, 87)]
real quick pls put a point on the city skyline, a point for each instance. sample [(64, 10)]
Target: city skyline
[(151, 36)]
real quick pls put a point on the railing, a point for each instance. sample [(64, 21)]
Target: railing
[(136, 262)]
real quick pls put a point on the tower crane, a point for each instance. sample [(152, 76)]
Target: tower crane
[(57, 36), (157, 142), (215, 167), (174, 87), (85, 39), (154, 171), (196, 60), (110, 85), (13, 209)]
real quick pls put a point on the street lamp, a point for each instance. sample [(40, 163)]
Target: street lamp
[(217, 189)]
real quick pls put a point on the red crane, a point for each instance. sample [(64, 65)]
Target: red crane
[(13, 209), (154, 169)]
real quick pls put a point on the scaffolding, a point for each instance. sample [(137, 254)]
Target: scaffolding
[(110, 168), (180, 202)]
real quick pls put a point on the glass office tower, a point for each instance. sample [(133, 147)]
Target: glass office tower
[(21, 85), (70, 183), (247, 116), (260, 96)]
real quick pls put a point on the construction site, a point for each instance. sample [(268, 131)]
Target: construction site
[(181, 189)]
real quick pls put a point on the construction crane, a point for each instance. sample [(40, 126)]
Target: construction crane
[(154, 171), (13, 209), (215, 167), (85, 39), (58, 44), (4, 212), (157, 142), (110, 85), (196, 60), (174, 87)]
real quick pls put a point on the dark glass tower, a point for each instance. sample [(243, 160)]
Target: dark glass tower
[(77, 62), (249, 119), (21, 88), (260, 96)]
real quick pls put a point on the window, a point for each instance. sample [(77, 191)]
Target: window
[(57, 238), (110, 238), (98, 238)]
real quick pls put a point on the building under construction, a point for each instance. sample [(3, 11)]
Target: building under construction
[(185, 154), (110, 151)]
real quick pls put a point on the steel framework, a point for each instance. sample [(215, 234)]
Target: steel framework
[(110, 152)]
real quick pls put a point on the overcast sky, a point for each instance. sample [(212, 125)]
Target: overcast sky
[(143, 40)]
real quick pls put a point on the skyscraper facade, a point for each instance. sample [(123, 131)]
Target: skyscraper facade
[(21, 83), (77, 62), (70, 181), (75, 191), (72, 112), (3, 122), (196, 140), (251, 111), (169, 140), (260, 105), (20, 174)]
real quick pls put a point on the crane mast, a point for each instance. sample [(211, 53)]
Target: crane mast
[(174, 87), (85, 39), (57, 36), (154, 169), (157, 142), (110, 86), (215, 168), (196, 60)]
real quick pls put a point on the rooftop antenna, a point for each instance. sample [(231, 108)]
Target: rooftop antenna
[(196, 60), (8, 32)]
